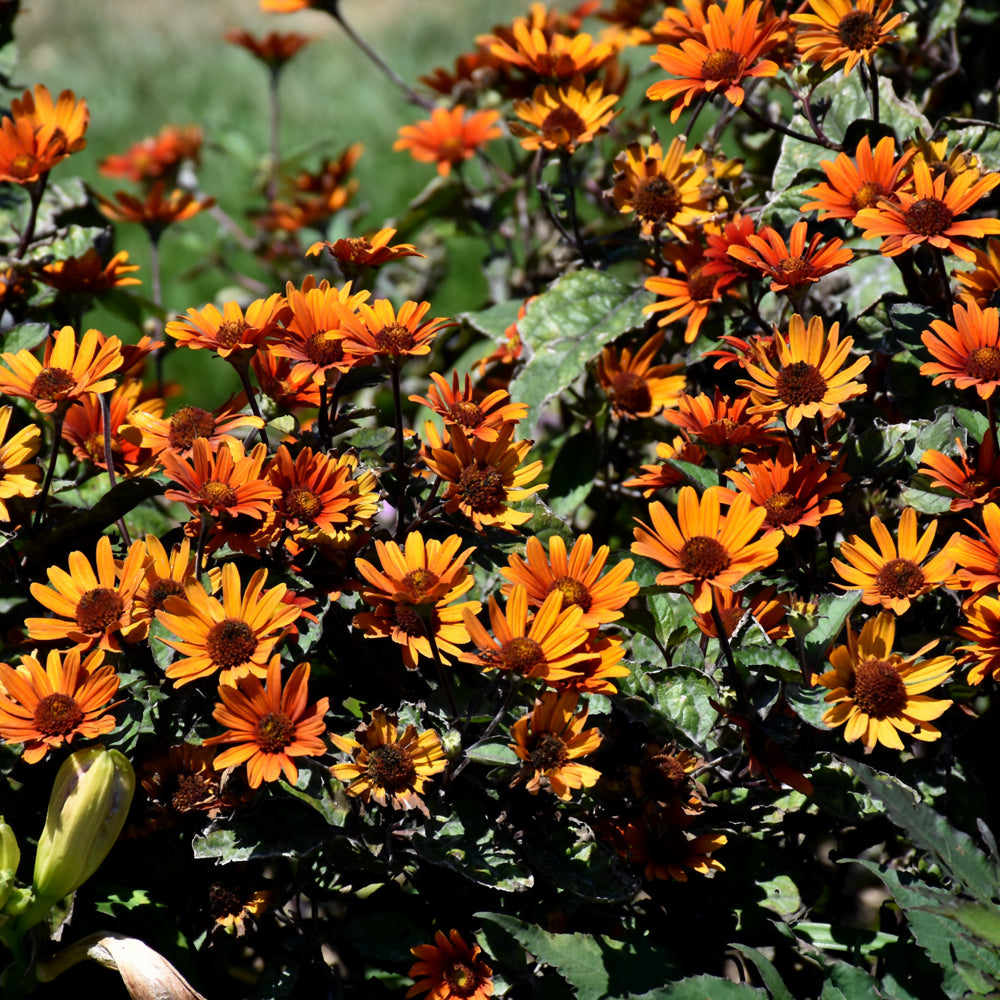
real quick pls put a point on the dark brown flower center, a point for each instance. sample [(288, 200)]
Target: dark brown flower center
[(521, 655), (794, 271), (231, 332), (867, 195), (800, 383), (410, 621), (390, 766), (188, 423), (462, 979), (466, 413), (977, 485), (224, 902), (703, 557), (701, 287), (231, 643), (879, 690), (52, 384), (99, 609), (657, 200), (191, 791), (161, 590), (573, 592), (899, 578), (858, 30), (480, 487), (563, 120), (217, 494), (928, 217), (273, 732), (782, 509), (668, 774), (722, 64), (984, 363), (302, 503), (419, 581), (23, 165), (548, 753), (57, 715), (630, 393), (324, 348), (394, 340)]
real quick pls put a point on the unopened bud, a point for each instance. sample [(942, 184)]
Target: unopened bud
[(10, 854)]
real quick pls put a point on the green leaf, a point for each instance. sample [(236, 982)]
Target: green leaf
[(808, 703), (680, 701), (831, 612), (979, 920), (24, 337), (698, 476), (926, 502), (565, 327), (493, 322), (492, 753), (703, 988), (768, 973), (855, 940), (848, 982)]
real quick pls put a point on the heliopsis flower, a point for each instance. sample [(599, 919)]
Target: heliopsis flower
[(703, 547), (795, 266), (595, 674), (967, 353), (664, 476), (234, 910), (270, 724), (766, 609), (697, 286), (718, 241), (977, 559), (861, 182), (167, 575), (663, 778), (26, 155), (880, 694), (929, 213), (479, 415), (982, 284), (66, 372), (720, 422), (157, 210), (550, 54), (450, 970), (45, 707), (156, 156), (88, 274), (563, 118), (807, 378), (893, 577), (577, 577), (448, 138), (795, 494), (235, 636), (664, 848), (19, 477), (365, 251), (983, 628), (177, 434), (231, 333), (484, 477), (379, 331), (730, 51), (663, 189), (273, 49), (634, 386), (934, 152), (274, 377), (971, 484), (92, 608), (387, 767), (67, 117), (844, 31)]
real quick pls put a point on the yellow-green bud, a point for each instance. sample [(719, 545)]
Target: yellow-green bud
[(10, 854), (90, 799)]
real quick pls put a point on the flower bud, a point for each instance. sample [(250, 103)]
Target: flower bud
[(87, 809), (10, 854)]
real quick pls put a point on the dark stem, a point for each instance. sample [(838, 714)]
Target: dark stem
[(397, 403), (869, 77), (942, 270), (242, 368), (109, 458), (199, 559), (156, 286), (815, 140), (323, 418), (512, 693), (35, 192), (443, 678), (568, 177), (274, 119), (57, 426), (735, 681)]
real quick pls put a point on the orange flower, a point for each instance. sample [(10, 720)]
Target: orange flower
[(766, 610), (157, 156), (563, 118), (26, 154), (18, 476), (795, 266), (984, 282), (576, 577), (92, 608), (269, 724), (967, 353), (45, 707), (66, 118), (844, 31), (66, 372), (450, 970), (861, 182), (479, 415), (232, 334), (929, 213), (168, 576), (728, 52), (549, 741), (880, 694), (387, 767), (891, 577), (178, 433), (365, 251), (806, 379), (719, 422), (636, 388), (664, 476), (550, 54), (735, 233), (972, 484), (484, 477), (703, 547), (273, 49), (155, 212), (274, 376), (666, 850), (378, 331), (449, 138), (595, 674), (983, 628), (234, 636), (88, 273), (978, 559)]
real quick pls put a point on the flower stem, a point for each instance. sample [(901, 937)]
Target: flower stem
[(242, 369), (57, 427), (735, 681), (35, 192), (274, 120), (109, 458), (397, 403), (814, 140)]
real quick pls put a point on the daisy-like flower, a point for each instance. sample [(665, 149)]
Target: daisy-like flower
[(551, 54), (177, 434), (485, 477), (66, 372), (795, 266), (45, 707), (664, 476), (704, 547), (663, 778), (635, 387), (844, 31), (167, 575), (233, 637), (386, 766), (894, 577), (269, 724), (722, 423), (729, 51), (449, 138), (231, 333), (978, 559), (88, 274), (547, 646), (597, 673), (563, 117), (233, 909), (665, 850), (379, 331), (358, 252), (935, 153), (274, 376), (736, 232), (274, 49), (795, 494), (967, 353), (577, 577), (92, 608), (19, 477), (26, 155), (479, 415), (767, 609), (550, 741), (971, 484), (930, 214), (982, 284), (982, 617), (854, 184), (450, 969), (157, 210), (66, 117), (879, 694), (807, 377), (157, 156), (663, 189)]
